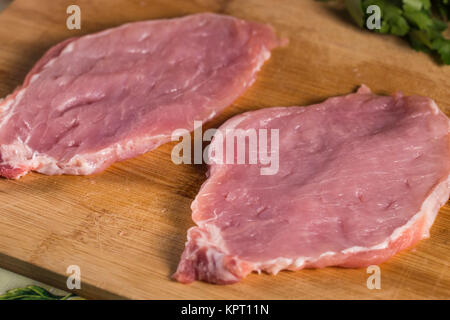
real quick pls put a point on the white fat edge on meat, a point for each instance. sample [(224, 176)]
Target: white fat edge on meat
[(435, 108), (437, 111), (81, 164), (210, 236), (429, 209), (216, 265), (261, 58), (19, 152), (69, 48), (216, 250)]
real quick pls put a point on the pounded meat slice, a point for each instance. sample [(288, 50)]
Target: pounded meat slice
[(109, 96), (360, 178)]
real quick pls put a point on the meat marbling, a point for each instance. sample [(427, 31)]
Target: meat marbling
[(109, 96), (361, 177)]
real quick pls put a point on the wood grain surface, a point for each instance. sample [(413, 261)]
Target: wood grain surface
[(126, 227)]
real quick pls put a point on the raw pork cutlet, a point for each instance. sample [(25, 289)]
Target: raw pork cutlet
[(109, 96), (361, 177)]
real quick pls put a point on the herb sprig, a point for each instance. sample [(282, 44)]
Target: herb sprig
[(32, 293), (421, 22)]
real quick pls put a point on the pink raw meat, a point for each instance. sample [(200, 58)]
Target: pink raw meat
[(109, 96), (361, 177)]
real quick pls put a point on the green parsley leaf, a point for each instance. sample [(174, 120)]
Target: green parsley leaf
[(442, 46), (421, 22)]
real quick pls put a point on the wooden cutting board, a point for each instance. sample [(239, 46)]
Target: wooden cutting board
[(126, 227)]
